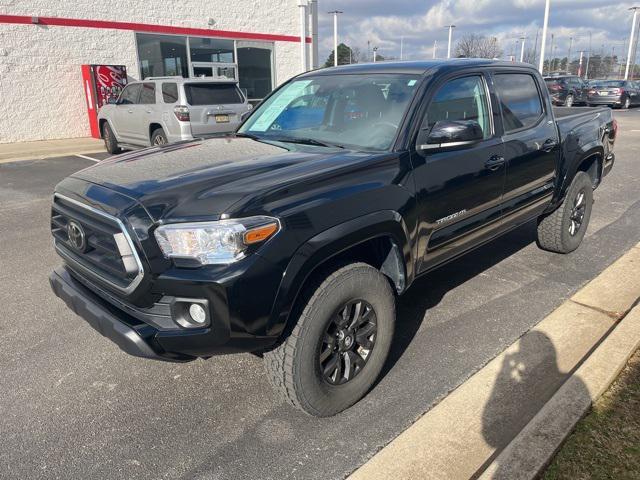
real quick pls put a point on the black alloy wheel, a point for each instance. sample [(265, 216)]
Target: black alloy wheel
[(347, 342), (577, 213)]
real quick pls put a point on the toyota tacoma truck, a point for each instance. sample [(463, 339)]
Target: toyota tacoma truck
[(293, 237)]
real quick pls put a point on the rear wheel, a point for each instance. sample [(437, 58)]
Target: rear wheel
[(110, 142), (339, 344), (158, 137), (562, 231), (626, 103), (568, 102)]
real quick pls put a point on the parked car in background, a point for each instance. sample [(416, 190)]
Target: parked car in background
[(615, 93), (160, 110), (566, 90)]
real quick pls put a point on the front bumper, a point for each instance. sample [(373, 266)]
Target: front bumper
[(150, 333)]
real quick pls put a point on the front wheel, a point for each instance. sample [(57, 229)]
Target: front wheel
[(562, 231), (339, 344), (110, 141), (626, 104)]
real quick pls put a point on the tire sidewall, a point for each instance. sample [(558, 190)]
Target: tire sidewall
[(158, 132), (581, 182), (364, 283), (569, 100), (109, 139)]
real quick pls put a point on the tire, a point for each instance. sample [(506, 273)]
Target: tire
[(562, 231), (295, 367), (158, 138), (568, 102), (110, 142), (626, 103)]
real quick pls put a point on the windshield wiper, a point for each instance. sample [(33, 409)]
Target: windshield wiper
[(305, 141)]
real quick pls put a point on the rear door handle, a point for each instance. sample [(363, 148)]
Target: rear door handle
[(494, 163), (549, 145)]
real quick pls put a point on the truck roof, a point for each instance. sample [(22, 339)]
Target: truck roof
[(418, 67)]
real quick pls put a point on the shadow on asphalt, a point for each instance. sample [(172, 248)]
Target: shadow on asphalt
[(428, 291)]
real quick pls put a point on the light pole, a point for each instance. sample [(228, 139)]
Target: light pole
[(631, 40), (580, 63), (401, 46), (335, 14), (450, 27), (435, 48), (586, 69), (569, 54), (551, 57), (522, 49), (375, 54), (545, 25), (302, 4)]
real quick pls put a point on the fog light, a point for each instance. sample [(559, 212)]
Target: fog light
[(197, 313)]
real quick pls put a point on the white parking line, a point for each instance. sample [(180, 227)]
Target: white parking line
[(87, 158)]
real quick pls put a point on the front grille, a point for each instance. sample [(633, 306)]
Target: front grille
[(95, 243)]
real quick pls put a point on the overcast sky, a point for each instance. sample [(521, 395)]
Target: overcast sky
[(384, 22)]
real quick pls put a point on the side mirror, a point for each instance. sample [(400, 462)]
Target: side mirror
[(450, 134), (112, 100)]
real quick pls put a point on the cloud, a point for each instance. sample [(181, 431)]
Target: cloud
[(383, 24)]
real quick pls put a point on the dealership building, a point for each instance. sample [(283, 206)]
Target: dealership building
[(43, 45)]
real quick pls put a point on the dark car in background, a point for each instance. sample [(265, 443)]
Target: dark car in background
[(566, 90), (615, 93)]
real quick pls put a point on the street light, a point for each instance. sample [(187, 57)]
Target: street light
[(375, 54), (335, 14), (435, 48), (631, 40), (569, 54), (522, 49), (303, 33), (544, 35), (450, 27)]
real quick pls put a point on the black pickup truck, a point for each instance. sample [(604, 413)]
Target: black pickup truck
[(293, 237)]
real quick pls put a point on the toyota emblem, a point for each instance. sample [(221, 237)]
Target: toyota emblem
[(76, 236)]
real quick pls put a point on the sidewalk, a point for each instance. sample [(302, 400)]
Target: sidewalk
[(507, 420), (13, 152)]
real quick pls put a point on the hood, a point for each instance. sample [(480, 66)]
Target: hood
[(204, 178)]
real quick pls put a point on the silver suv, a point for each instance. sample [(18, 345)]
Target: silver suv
[(161, 110)]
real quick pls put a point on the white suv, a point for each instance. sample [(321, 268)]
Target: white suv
[(161, 110)]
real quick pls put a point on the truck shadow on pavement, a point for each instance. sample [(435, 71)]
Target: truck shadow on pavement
[(528, 378), (428, 291)]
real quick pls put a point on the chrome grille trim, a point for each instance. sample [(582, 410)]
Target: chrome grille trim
[(130, 252)]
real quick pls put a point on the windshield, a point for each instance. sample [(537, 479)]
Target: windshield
[(355, 111)]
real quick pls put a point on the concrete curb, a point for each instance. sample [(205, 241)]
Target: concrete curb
[(15, 152), (532, 450), (509, 418)]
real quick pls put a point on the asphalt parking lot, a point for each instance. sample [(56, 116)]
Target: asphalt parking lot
[(74, 406)]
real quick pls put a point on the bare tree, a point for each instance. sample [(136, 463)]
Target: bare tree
[(478, 46)]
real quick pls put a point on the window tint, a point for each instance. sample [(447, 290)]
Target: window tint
[(130, 94), (162, 55), (520, 100), (212, 93), (148, 94), (460, 99), (169, 92)]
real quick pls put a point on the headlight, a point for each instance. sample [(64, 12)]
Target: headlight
[(211, 243)]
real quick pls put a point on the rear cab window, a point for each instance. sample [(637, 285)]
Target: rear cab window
[(520, 100), (169, 92), (212, 94)]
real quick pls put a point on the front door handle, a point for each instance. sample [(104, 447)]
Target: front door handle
[(130, 111), (494, 163), (549, 144)]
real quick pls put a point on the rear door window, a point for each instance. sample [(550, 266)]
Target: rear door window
[(212, 93), (169, 92), (130, 94), (148, 94), (519, 99)]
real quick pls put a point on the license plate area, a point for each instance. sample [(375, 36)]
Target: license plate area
[(221, 118), (603, 92)]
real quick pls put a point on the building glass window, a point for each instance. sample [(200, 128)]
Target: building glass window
[(255, 69), (212, 50), (162, 55)]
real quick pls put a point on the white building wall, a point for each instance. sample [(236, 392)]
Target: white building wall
[(40, 79)]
